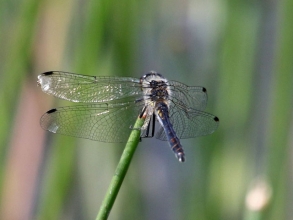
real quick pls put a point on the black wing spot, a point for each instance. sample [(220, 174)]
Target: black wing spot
[(204, 89), (51, 111), (216, 119), (48, 73)]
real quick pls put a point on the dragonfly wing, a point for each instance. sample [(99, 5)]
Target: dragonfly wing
[(190, 124), (185, 97), (100, 122), (89, 89)]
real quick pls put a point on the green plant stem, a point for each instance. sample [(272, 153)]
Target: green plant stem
[(120, 171)]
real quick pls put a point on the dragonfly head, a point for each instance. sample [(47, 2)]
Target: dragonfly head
[(152, 75)]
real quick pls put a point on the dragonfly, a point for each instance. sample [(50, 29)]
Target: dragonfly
[(109, 107)]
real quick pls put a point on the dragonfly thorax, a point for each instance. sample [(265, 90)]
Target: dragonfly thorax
[(155, 87), (159, 91)]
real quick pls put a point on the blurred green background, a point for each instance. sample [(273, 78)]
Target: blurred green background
[(241, 51)]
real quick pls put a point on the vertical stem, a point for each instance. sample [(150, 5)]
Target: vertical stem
[(120, 172)]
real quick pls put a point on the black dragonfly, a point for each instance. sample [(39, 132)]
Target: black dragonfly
[(112, 104)]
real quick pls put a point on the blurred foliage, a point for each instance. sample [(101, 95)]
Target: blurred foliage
[(240, 51)]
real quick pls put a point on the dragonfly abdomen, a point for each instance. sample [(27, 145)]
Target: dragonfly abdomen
[(174, 142), (176, 145)]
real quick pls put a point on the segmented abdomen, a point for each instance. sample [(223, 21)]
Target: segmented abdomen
[(162, 113)]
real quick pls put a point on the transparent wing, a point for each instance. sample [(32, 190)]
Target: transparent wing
[(190, 124), (186, 97), (80, 88), (100, 122)]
